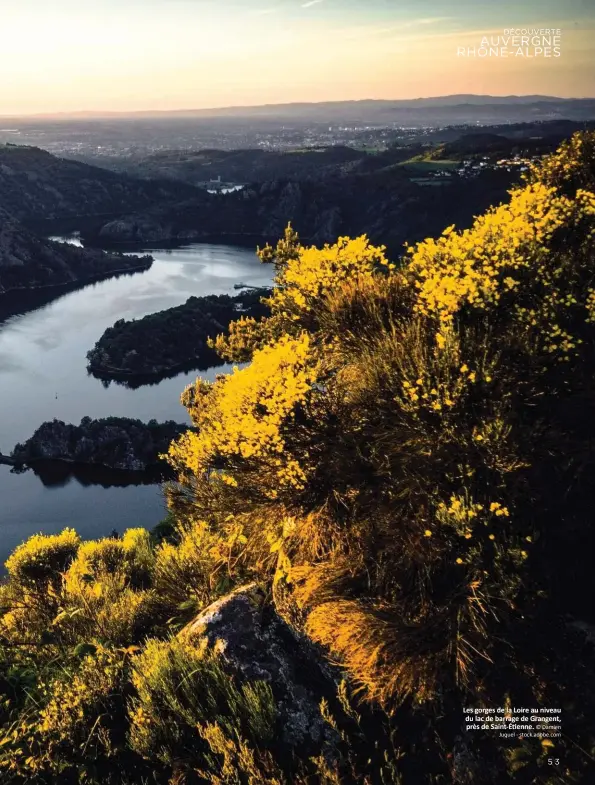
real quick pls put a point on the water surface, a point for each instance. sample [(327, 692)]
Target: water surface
[(43, 375)]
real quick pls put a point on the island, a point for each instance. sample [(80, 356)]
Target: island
[(163, 344), (118, 443)]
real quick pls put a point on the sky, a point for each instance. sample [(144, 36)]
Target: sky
[(131, 55)]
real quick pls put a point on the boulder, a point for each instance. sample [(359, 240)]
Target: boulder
[(255, 643)]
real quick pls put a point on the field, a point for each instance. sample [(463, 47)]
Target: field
[(425, 167)]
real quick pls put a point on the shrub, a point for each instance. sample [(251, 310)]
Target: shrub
[(184, 570), (42, 558), (79, 725), (132, 557), (441, 420), (182, 691), (61, 593), (406, 463)]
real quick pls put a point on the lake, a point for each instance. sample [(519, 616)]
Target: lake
[(43, 375)]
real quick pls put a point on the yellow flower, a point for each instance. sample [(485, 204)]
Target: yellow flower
[(241, 416)]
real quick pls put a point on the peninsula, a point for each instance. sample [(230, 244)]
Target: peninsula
[(171, 341), (28, 261)]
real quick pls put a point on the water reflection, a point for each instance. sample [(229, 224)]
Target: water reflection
[(22, 301), (138, 380), (58, 474)]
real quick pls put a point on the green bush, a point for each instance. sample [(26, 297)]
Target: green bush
[(43, 558), (181, 692)]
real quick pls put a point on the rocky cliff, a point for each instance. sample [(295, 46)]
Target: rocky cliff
[(384, 204)]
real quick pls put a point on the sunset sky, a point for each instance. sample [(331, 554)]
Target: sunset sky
[(126, 55)]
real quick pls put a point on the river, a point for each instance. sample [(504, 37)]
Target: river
[(43, 375)]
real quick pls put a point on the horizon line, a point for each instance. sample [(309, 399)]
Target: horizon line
[(237, 107)]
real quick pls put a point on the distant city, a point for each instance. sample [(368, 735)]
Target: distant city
[(121, 139), (362, 125)]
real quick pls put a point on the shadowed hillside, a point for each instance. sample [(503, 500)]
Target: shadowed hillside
[(384, 204), (29, 262), (34, 183)]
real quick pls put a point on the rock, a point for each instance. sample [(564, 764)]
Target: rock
[(329, 227), (132, 230), (384, 205), (256, 644), (124, 230)]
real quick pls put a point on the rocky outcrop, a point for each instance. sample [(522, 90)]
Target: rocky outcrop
[(382, 204), (114, 442), (254, 643), (31, 262)]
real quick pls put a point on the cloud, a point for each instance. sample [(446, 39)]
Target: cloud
[(407, 25), (406, 30), (431, 20), (310, 3)]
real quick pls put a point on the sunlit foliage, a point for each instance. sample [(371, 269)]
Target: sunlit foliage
[(406, 465)]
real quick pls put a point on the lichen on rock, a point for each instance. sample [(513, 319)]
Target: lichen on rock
[(256, 644)]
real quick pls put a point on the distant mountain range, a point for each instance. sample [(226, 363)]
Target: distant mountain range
[(466, 107)]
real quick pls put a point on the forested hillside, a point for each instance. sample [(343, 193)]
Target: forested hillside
[(28, 261), (382, 520), (383, 204), (35, 184)]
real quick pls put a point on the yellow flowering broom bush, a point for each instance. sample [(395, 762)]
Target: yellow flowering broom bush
[(406, 466), (445, 401)]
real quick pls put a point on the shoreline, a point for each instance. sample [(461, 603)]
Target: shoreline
[(6, 460), (239, 240), (78, 281), (111, 374), (24, 299)]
